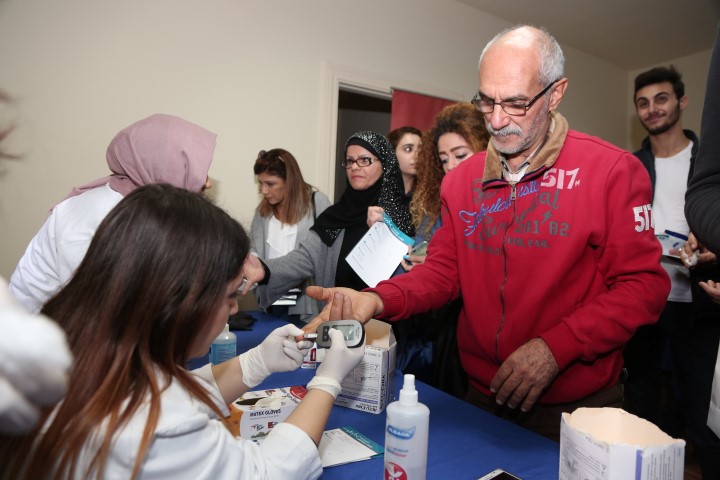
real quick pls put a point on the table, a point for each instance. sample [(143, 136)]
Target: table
[(465, 441)]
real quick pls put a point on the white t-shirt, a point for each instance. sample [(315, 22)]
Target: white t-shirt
[(671, 175), (281, 238)]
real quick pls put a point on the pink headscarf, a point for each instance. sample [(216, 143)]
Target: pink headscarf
[(159, 149)]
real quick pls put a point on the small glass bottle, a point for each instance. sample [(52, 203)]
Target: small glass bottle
[(224, 347)]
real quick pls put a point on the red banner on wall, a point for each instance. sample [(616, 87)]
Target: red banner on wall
[(415, 110)]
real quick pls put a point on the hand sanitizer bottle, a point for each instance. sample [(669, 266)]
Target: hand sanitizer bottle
[(223, 347), (406, 435)]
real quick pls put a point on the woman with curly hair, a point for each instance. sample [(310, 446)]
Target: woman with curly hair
[(427, 343), (459, 132)]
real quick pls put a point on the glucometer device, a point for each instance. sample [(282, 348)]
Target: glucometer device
[(352, 330)]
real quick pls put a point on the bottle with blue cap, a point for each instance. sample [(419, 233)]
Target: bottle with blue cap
[(224, 347), (406, 435)]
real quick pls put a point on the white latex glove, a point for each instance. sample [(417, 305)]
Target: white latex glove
[(34, 364), (338, 363), (279, 352)]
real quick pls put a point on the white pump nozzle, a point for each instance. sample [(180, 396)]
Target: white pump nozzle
[(408, 394)]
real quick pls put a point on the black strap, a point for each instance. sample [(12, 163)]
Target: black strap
[(313, 206)]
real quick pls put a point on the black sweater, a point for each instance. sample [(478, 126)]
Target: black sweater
[(702, 200)]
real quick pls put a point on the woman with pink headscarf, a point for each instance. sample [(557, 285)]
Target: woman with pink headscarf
[(158, 149)]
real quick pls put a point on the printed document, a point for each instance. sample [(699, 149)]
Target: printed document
[(379, 252)]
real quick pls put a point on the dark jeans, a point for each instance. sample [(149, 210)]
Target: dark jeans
[(689, 345), (427, 347)]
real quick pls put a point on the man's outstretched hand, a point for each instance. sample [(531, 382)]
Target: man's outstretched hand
[(343, 304)]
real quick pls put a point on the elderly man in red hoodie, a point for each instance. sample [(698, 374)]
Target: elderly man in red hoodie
[(548, 237)]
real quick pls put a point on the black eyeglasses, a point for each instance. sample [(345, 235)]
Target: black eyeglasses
[(517, 109), (363, 161)]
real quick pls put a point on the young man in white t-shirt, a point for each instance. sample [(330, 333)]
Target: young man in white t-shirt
[(685, 339)]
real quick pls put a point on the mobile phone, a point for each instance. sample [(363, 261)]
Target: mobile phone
[(499, 474), (420, 248), (352, 330)]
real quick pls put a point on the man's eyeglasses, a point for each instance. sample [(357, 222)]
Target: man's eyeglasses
[(517, 109), (364, 161)]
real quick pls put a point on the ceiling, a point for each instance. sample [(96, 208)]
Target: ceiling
[(631, 34)]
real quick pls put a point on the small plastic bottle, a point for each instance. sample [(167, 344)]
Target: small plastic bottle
[(406, 435), (224, 347)]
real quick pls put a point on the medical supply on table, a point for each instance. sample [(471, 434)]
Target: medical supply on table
[(406, 435), (224, 347)]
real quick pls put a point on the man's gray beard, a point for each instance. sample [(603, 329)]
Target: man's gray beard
[(504, 132), (531, 136), (509, 151)]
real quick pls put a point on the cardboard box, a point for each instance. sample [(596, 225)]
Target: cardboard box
[(609, 443), (370, 386), (253, 415)]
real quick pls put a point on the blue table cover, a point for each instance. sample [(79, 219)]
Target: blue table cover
[(465, 441)]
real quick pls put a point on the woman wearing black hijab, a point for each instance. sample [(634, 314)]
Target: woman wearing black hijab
[(374, 178)]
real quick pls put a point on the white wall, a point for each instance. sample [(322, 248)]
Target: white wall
[(252, 71)]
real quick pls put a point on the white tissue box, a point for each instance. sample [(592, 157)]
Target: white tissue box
[(612, 444), (253, 415)]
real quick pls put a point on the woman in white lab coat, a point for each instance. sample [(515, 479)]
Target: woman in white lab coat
[(158, 283)]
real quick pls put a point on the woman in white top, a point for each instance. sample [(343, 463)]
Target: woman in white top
[(158, 283), (287, 210), (157, 149)]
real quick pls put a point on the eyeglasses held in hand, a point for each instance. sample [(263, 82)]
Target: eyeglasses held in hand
[(486, 105), (363, 161)]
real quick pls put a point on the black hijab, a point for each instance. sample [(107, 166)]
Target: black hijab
[(388, 192), (349, 214)]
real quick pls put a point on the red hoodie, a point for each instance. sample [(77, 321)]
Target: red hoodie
[(568, 254)]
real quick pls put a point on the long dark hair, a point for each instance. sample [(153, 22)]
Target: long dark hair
[(151, 279)]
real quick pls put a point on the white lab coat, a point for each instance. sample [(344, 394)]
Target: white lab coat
[(34, 364), (60, 245), (191, 443)]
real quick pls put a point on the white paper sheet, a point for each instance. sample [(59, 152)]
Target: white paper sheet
[(379, 252), (671, 243), (345, 445)]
